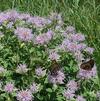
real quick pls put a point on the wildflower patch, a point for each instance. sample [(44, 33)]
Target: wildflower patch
[(40, 60)]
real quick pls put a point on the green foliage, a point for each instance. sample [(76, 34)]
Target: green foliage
[(83, 14)]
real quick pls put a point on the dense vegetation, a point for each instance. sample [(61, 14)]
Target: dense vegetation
[(37, 36)]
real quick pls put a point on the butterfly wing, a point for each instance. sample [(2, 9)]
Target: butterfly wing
[(54, 68), (87, 65), (91, 63)]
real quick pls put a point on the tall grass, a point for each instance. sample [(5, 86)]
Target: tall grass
[(83, 14)]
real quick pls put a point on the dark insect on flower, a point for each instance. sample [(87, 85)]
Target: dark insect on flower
[(88, 65), (55, 67)]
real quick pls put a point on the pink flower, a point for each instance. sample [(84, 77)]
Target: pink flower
[(54, 55), (34, 88), (57, 79), (24, 95), (3, 17), (40, 39), (77, 37), (9, 87), (80, 98), (70, 30), (22, 68), (44, 38), (65, 42), (12, 14), (89, 50), (68, 94), (49, 35), (81, 46), (38, 21), (78, 56), (24, 16), (72, 85), (60, 77), (24, 34), (40, 72), (72, 47)]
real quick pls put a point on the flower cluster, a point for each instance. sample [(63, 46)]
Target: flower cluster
[(34, 88), (40, 59), (9, 87), (40, 72), (72, 87), (24, 34), (57, 79), (24, 95), (44, 38), (39, 21)]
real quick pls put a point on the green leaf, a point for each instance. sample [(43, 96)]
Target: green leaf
[(46, 80), (49, 90)]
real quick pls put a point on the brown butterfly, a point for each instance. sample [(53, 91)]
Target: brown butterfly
[(55, 67), (87, 65)]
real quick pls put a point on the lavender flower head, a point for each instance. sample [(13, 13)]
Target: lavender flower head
[(80, 98), (72, 47), (49, 35), (85, 74), (24, 16), (78, 56), (68, 94), (57, 79), (72, 85), (53, 55), (3, 17), (38, 21), (24, 95), (9, 87), (44, 38), (34, 88), (24, 34), (40, 72), (40, 39), (89, 50), (12, 15), (64, 44), (22, 68), (77, 37), (70, 30), (81, 46)]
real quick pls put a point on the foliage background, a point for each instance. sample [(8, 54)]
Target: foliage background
[(83, 14)]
